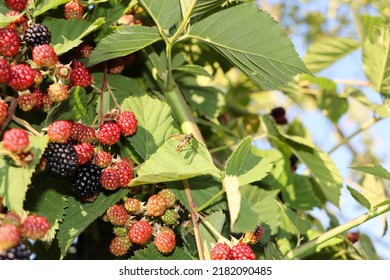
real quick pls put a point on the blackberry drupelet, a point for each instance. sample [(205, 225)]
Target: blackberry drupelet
[(37, 34), (86, 185), (61, 159), (19, 252)]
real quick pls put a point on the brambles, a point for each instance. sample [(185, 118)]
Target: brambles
[(9, 42), (15, 140), (73, 10), (220, 251), (61, 159), (37, 34)]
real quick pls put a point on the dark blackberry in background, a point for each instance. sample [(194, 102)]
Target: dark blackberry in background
[(279, 115), (61, 159), (293, 162), (19, 252), (37, 34), (86, 185)]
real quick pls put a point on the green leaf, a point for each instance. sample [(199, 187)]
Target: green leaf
[(333, 106), (194, 70), (155, 123), (203, 189), (123, 41), (15, 180), (320, 164), (376, 59), (247, 219), (79, 106), (208, 237), (245, 36), (4, 20), (111, 11), (46, 197), (151, 253), (290, 222), (121, 86), (359, 198), (68, 34), (246, 164), (169, 165), (46, 5), (367, 248), (165, 13), (264, 205), (299, 193), (272, 252), (365, 23), (326, 51), (79, 215), (376, 170)]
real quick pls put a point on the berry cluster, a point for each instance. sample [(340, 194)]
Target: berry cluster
[(76, 151), (16, 231), (139, 222)]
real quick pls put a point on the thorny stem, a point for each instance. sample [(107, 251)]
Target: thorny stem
[(26, 125), (194, 218), (311, 246), (101, 93)]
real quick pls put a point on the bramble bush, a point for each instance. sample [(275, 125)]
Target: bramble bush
[(130, 128)]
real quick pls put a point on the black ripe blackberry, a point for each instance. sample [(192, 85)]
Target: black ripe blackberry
[(19, 252), (86, 185), (279, 115), (37, 34), (61, 159)]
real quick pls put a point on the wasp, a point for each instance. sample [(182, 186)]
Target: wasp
[(184, 139)]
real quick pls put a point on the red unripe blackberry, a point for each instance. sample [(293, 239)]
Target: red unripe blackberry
[(3, 112), (133, 206), (73, 10), (127, 122), (9, 42), (84, 152), (19, 25), (61, 159), (156, 205), (44, 56), (22, 77), (242, 251), (46, 102), (21, 251), (86, 185), (125, 173), (5, 71), (58, 92), (38, 77), (120, 245), (84, 50), (165, 241), (220, 251), (59, 131), (37, 34), (82, 133), (353, 237), (110, 179), (15, 140), (102, 159), (117, 215), (140, 232), (109, 133), (38, 95), (34, 227), (80, 77), (17, 5), (27, 101), (9, 237), (116, 65)]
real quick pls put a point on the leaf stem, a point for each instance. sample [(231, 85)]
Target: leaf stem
[(194, 218), (363, 127), (311, 246), (210, 201)]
